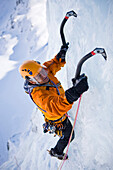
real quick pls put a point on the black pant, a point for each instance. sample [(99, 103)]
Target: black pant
[(63, 141)]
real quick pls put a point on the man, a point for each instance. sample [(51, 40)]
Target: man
[(48, 94)]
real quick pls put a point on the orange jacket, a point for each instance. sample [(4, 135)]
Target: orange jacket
[(51, 104)]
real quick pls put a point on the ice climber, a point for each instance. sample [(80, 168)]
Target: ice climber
[(48, 94)]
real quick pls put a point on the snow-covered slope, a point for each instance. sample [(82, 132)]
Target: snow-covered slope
[(92, 147), (19, 34)]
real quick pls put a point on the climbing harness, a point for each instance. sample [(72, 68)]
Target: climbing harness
[(54, 126)]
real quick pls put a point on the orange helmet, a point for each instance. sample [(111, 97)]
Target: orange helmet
[(30, 68)]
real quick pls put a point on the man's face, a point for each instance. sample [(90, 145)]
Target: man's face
[(42, 76)]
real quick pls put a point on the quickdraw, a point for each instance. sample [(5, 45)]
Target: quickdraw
[(53, 128)]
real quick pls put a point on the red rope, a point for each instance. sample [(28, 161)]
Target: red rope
[(61, 165)]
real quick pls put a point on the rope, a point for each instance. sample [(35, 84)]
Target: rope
[(64, 158)]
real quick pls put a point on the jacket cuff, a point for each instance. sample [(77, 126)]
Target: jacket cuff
[(59, 62)]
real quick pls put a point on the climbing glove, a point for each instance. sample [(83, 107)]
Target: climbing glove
[(73, 93), (62, 53)]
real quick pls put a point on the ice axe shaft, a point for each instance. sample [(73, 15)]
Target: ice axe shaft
[(68, 14)]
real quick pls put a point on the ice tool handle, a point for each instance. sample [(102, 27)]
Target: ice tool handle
[(68, 14), (92, 53)]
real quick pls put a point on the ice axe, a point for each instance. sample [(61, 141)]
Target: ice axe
[(68, 14), (92, 53)]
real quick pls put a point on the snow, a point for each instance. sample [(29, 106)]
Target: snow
[(30, 29), (5, 64)]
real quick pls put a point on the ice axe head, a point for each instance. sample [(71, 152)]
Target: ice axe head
[(71, 13), (101, 51)]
